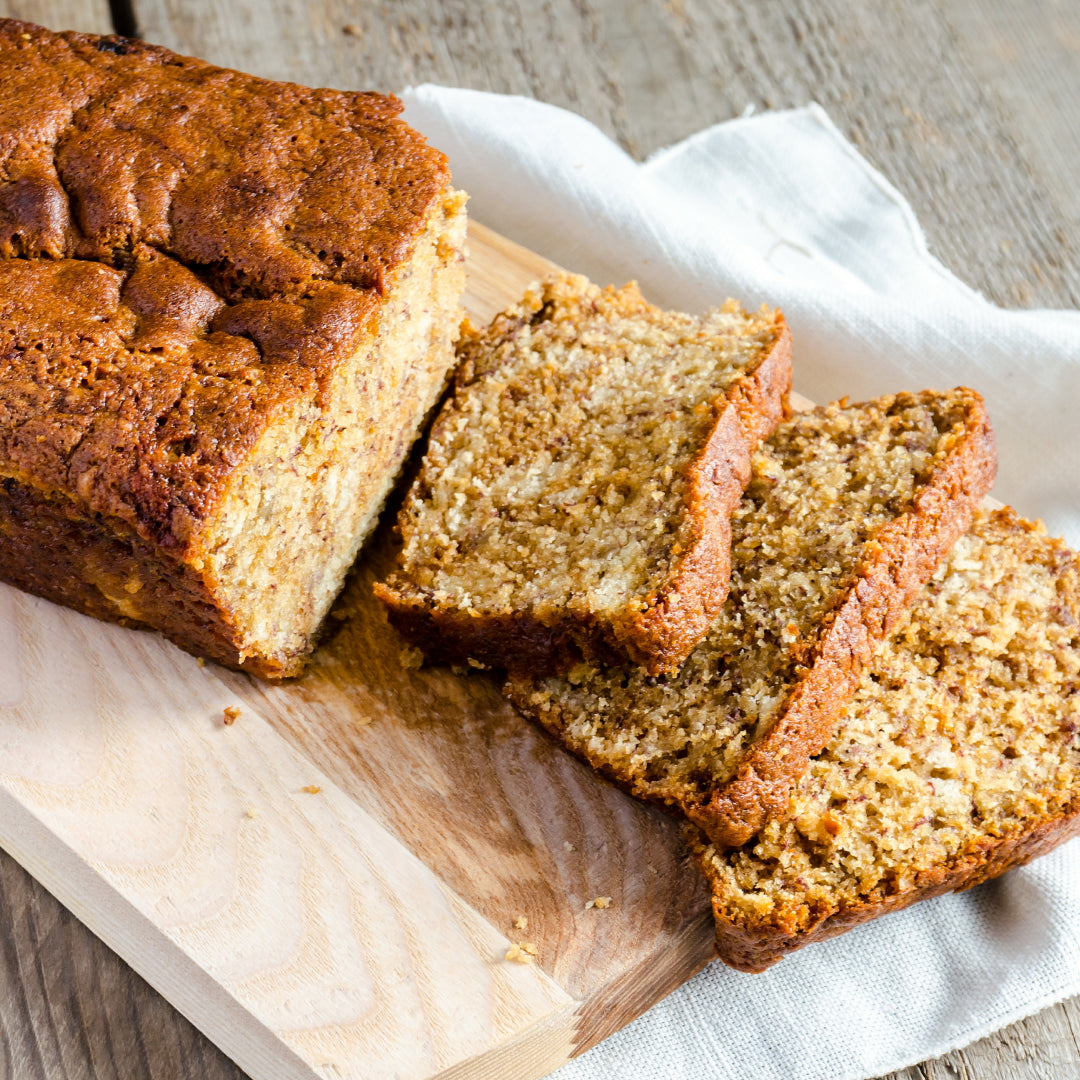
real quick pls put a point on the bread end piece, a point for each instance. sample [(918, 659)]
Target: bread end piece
[(226, 304)]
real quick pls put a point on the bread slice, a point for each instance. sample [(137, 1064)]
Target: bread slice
[(957, 758), (226, 307), (850, 509), (576, 491)]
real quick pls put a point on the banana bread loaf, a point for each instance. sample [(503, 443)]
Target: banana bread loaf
[(226, 306), (850, 509), (957, 758), (576, 492)]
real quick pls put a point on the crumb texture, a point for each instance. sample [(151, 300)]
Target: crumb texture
[(963, 736), (822, 488), (559, 481)]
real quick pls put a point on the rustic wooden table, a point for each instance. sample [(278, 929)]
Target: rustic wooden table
[(971, 111)]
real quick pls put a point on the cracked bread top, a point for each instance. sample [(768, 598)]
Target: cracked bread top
[(186, 249)]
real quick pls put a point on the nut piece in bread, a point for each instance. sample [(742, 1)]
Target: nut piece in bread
[(957, 758), (577, 489), (226, 306), (850, 510)]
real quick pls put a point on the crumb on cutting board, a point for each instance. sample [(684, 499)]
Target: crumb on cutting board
[(521, 922), (311, 789), (522, 952), (232, 714), (600, 902)]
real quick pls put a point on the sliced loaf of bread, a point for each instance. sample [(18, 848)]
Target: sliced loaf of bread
[(576, 493), (850, 510), (957, 758)]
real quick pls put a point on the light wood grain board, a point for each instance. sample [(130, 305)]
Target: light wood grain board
[(328, 887)]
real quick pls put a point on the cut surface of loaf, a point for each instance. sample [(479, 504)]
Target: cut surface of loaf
[(958, 757), (849, 510), (226, 306), (576, 491)]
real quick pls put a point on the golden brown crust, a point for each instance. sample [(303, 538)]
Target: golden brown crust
[(108, 143), (239, 232), (48, 548), (900, 559), (128, 410), (454, 637), (678, 614), (756, 947), (188, 255)]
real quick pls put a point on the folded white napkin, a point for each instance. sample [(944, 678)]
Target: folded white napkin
[(780, 208)]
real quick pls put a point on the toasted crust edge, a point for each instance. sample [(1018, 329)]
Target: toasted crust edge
[(901, 557), (756, 947), (181, 601), (680, 611)]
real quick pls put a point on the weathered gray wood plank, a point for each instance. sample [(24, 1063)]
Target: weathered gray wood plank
[(1030, 55), (89, 16), (934, 106), (70, 1009), (968, 108)]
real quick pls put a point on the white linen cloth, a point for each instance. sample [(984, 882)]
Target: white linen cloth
[(780, 208)]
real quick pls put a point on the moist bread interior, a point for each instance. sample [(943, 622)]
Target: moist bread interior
[(821, 489), (571, 482), (963, 736)]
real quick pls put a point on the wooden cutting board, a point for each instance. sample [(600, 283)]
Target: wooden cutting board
[(328, 887)]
